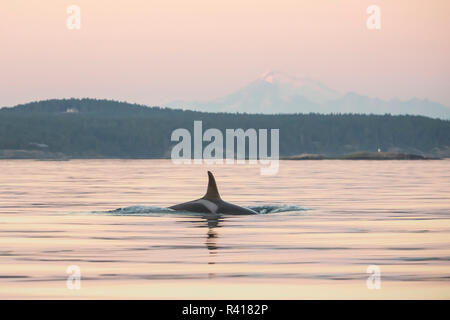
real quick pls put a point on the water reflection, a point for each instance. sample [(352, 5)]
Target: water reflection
[(211, 239), (212, 222)]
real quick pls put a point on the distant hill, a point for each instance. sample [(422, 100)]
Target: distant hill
[(85, 106), (275, 92), (89, 128), (361, 156)]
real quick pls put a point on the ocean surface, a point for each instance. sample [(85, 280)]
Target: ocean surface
[(322, 225)]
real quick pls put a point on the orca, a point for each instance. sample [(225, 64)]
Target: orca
[(211, 202)]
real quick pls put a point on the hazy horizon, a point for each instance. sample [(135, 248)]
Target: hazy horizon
[(157, 52)]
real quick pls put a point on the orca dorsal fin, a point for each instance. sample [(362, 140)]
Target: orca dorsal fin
[(212, 192)]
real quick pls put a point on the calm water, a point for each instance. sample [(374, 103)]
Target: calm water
[(392, 214)]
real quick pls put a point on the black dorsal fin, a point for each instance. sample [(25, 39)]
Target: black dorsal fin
[(212, 192)]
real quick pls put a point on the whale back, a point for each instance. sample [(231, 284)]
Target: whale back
[(212, 202), (212, 193)]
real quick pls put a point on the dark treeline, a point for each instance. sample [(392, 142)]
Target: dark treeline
[(102, 128)]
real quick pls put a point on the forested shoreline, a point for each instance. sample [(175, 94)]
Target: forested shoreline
[(90, 128)]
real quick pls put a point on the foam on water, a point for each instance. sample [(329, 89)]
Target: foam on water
[(153, 210), (262, 209)]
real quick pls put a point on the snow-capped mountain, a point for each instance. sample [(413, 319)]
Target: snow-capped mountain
[(276, 92)]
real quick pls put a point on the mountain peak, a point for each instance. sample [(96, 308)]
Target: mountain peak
[(278, 92), (293, 87), (277, 77)]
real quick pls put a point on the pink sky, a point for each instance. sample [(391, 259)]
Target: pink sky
[(153, 52)]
